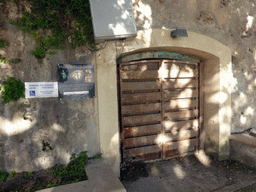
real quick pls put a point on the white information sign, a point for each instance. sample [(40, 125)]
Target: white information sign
[(41, 89)]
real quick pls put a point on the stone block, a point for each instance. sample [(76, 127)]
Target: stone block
[(243, 149)]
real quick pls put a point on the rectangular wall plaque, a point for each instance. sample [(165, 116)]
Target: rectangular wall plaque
[(76, 81), (41, 89)]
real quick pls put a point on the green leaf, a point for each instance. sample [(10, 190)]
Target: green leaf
[(57, 16), (12, 90)]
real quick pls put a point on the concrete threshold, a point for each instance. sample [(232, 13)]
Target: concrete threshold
[(101, 179)]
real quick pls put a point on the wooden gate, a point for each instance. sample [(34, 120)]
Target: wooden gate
[(159, 108)]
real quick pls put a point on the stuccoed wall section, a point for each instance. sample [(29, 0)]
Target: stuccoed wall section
[(230, 22), (69, 126)]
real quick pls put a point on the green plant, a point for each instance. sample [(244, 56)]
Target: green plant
[(3, 175), (37, 183), (234, 165), (39, 53), (12, 173), (3, 43), (52, 184), (51, 52), (75, 170), (99, 156), (46, 146), (15, 60), (12, 90), (27, 175), (62, 18), (30, 174), (3, 59)]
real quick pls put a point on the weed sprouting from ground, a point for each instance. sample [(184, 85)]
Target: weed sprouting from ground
[(234, 165), (3, 176), (12, 173), (75, 170), (57, 175), (99, 156)]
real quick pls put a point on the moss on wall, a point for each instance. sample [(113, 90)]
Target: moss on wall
[(67, 126)]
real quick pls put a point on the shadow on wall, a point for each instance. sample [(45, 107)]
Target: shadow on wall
[(67, 126), (155, 92), (30, 129), (230, 23)]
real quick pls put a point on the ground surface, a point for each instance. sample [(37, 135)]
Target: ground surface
[(192, 173), (32, 181)]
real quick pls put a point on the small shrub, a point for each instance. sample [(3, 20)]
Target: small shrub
[(3, 44), (75, 170), (27, 175), (3, 175), (99, 156), (3, 59), (15, 60), (12, 90), (12, 173), (46, 146), (39, 53), (52, 184)]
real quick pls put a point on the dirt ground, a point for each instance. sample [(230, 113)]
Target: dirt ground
[(191, 173), (33, 181)]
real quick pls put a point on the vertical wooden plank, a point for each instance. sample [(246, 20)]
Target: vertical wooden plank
[(201, 107), (135, 66), (162, 112), (122, 136), (132, 67)]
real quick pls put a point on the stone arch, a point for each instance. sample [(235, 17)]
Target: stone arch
[(216, 59)]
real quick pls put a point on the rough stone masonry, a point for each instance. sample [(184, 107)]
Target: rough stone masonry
[(68, 126), (71, 126)]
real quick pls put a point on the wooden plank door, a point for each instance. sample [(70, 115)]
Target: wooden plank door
[(158, 108), (180, 108), (140, 110)]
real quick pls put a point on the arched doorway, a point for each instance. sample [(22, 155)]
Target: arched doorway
[(216, 59)]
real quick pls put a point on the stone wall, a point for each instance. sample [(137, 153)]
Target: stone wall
[(230, 22), (69, 126)]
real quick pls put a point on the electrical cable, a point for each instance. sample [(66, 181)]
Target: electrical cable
[(101, 47)]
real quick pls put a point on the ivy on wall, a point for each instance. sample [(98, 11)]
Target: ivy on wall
[(3, 44), (12, 90), (50, 22)]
